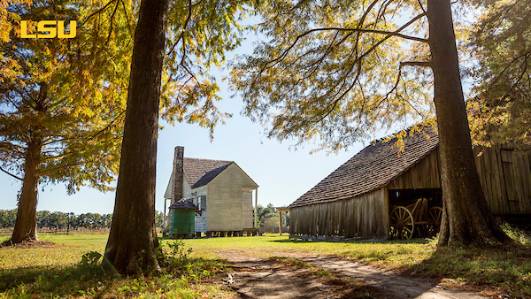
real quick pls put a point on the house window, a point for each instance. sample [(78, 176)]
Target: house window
[(203, 202)]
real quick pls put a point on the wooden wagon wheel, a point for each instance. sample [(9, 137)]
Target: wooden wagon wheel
[(402, 223), (435, 216)]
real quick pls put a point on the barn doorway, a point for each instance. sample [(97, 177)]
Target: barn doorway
[(414, 212)]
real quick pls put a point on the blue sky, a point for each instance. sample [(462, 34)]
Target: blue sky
[(283, 173)]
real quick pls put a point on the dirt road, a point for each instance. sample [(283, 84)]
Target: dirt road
[(305, 276)]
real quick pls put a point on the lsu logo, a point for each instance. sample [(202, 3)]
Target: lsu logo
[(48, 29)]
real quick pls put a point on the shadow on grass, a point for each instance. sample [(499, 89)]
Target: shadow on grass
[(358, 241), (60, 281), (494, 270), (92, 281)]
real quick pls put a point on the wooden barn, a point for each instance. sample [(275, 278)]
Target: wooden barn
[(222, 192), (384, 191)]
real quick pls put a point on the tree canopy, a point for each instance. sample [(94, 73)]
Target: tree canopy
[(68, 93), (62, 100), (199, 33), (500, 109), (337, 70)]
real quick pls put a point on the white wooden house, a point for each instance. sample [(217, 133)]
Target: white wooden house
[(222, 192)]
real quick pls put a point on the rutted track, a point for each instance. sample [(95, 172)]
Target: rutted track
[(270, 278)]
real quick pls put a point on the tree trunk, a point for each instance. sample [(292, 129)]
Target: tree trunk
[(26, 222), (468, 220), (131, 248)]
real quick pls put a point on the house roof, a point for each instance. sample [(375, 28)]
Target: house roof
[(199, 172), (372, 168)]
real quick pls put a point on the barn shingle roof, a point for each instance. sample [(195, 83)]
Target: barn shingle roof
[(372, 168), (199, 172)]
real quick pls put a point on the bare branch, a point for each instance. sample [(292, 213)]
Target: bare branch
[(10, 174), (127, 18), (96, 12), (421, 6), (399, 76), (185, 25), (387, 34), (112, 21)]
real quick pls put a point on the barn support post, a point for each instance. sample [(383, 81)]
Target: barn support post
[(280, 221), (165, 220), (282, 212), (256, 208)]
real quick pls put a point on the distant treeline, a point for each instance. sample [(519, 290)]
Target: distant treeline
[(62, 221)]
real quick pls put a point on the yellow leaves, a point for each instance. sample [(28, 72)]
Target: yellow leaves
[(87, 85), (8, 19)]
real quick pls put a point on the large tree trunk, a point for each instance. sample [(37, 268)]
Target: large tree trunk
[(467, 219), (26, 222), (131, 248)]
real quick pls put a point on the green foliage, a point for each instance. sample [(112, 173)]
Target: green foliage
[(61, 220), (178, 261), (7, 218), (519, 235), (65, 97), (177, 255), (501, 41), (91, 258), (336, 70), (265, 213)]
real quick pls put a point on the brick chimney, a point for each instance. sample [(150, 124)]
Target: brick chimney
[(178, 173)]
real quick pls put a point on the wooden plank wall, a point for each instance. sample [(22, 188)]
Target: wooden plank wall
[(424, 174), (505, 175), (363, 216)]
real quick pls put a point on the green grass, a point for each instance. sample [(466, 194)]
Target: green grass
[(56, 271), (389, 253), (66, 251)]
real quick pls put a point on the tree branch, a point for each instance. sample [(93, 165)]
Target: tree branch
[(387, 34), (376, 31), (96, 12), (416, 63), (185, 25), (10, 174)]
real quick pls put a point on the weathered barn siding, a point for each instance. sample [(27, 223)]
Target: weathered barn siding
[(424, 174), (363, 216), (505, 175), (229, 200)]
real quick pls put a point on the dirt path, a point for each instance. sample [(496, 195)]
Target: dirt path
[(389, 282), (305, 276)]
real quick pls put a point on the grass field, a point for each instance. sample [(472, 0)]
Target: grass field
[(55, 270)]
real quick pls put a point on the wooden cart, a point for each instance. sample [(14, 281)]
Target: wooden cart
[(415, 219)]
